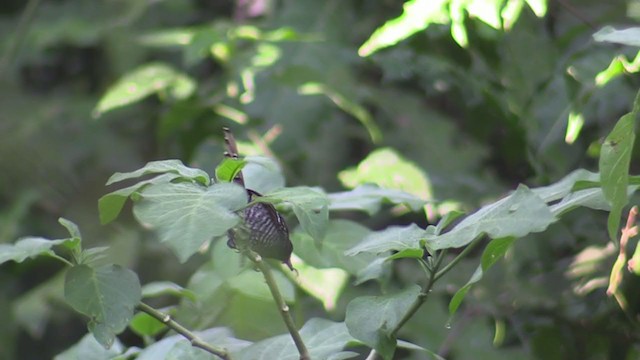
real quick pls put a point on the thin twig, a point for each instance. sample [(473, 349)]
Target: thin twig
[(282, 306), (457, 259), (193, 338)]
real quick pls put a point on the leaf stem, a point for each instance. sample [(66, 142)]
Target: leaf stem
[(457, 259), (282, 306), (422, 297), (193, 338), (58, 257)]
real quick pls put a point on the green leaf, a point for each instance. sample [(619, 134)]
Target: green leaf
[(325, 285), (591, 198), (309, 205), (322, 337), (377, 166), (566, 185), (371, 319), (160, 288), (341, 236), (416, 16), (252, 284), (615, 157), (110, 205), (29, 247), (262, 174), (409, 346), (312, 221), (369, 198), (216, 336), (395, 238), (494, 251), (446, 220), (188, 215), (89, 348), (144, 324), (629, 36), (517, 215), (378, 269), (227, 170), (184, 350), (163, 166), (455, 302), (142, 82), (73, 229), (107, 295)]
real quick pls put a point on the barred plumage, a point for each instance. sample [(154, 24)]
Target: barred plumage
[(263, 228)]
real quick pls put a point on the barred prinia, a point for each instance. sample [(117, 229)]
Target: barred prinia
[(262, 228)]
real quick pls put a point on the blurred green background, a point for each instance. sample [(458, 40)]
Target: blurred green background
[(472, 99)]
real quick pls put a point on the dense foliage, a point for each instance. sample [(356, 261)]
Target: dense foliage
[(455, 176)]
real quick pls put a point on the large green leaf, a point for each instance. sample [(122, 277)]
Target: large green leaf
[(396, 238), (107, 295), (163, 166), (220, 337), (591, 198), (371, 319), (309, 205), (110, 205), (341, 236), (565, 186), (187, 215), (262, 174), (377, 168), (29, 247), (322, 337), (142, 82), (517, 215), (369, 198), (417, 15), (615, 157)]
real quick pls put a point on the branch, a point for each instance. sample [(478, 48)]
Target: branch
[(417, 303), (282, 306), (193, 338), (457, 259)]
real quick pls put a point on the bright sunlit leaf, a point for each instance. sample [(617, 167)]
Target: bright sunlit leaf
[(417, 15), (142, 82), (388, 169), (539, 7)]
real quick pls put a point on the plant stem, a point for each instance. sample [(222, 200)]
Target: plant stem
[(422, 297), (282, 306), (67, 262), (457, 259), (193, 338)]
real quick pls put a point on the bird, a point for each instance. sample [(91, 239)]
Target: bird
[(262, 229)]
